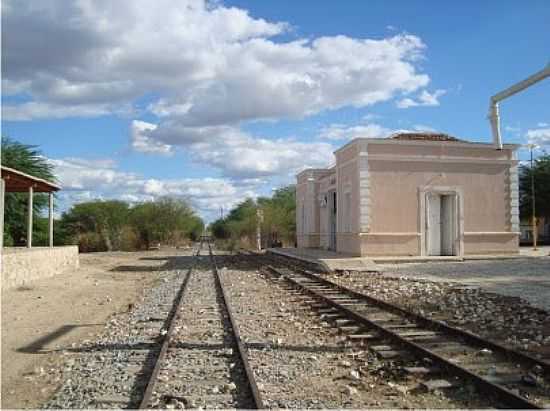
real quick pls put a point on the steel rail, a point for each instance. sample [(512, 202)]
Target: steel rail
[(508, 397), (473, 339), (243, 353), (171, 320)]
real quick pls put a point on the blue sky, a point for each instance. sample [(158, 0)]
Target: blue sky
[(218, 101)]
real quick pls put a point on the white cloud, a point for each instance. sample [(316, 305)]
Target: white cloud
[(539, 136), (425, 98), (208, 63), (236, 153), (423, 127), (347, 132), (43, 110), (543, 125), (366, 130), (140, 142)]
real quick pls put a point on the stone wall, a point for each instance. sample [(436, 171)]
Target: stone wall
[(22, 265)]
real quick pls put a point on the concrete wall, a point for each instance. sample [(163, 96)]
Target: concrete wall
[(348, 215), (326, 184), (307, 208), (22, 265), (484, 177)]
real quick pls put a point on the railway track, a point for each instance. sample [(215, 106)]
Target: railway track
[(437, 355), (202, 361)]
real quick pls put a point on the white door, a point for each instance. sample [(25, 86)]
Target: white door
[(433, 224), (448, 225)]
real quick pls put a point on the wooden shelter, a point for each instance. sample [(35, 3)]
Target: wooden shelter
[(14, 181)]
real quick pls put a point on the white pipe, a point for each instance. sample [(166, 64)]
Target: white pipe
[(494, 117)]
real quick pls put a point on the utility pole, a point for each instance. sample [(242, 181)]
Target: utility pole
[(533, 208), (259, 221)]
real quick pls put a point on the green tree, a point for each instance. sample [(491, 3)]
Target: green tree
[(541, 174), (280, 216), (166, 220), (29, 160), (97, 225)]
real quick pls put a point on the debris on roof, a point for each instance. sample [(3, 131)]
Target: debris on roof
[(424, 136)]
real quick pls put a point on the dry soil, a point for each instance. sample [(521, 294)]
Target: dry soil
[(42, 318)]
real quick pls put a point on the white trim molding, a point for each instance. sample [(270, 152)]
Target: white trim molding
[(396, 234), (494, 233), (440, 159), (514, 198), (364, 192)]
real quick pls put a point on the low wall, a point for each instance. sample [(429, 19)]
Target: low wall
[(22, 265)]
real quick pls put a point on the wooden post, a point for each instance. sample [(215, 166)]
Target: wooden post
[(30, 212), (50, 219), (2, 198)]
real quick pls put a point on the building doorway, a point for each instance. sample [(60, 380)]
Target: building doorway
[(442, 224), (332, 220)]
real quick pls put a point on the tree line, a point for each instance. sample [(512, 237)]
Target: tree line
[(116, 225), (94, 225)]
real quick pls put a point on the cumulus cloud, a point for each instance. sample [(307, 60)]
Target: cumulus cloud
[(539, 136), (85, 180), (208, 63), (42, 110), (366, 130), (348, 132), (235, 152), (140, 142), (425, 98)]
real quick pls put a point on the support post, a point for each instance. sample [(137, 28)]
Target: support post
[(533, 200), (2, 199), (259, 221), (30, 212), (50, 219)]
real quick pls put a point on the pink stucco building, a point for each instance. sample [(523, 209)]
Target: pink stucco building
[(411, 194)]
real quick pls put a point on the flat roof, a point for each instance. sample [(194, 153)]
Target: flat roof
[(18, 182)]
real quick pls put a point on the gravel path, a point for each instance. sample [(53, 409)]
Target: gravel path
[(110, 371), (527, 278), (202, 367)]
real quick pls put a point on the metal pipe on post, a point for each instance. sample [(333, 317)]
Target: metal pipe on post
[(29, 223), (50, 219), (510, 91)]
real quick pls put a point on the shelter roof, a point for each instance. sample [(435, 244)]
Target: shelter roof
[(18, 182)]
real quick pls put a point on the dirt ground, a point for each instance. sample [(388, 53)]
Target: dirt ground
[(66, 309)]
